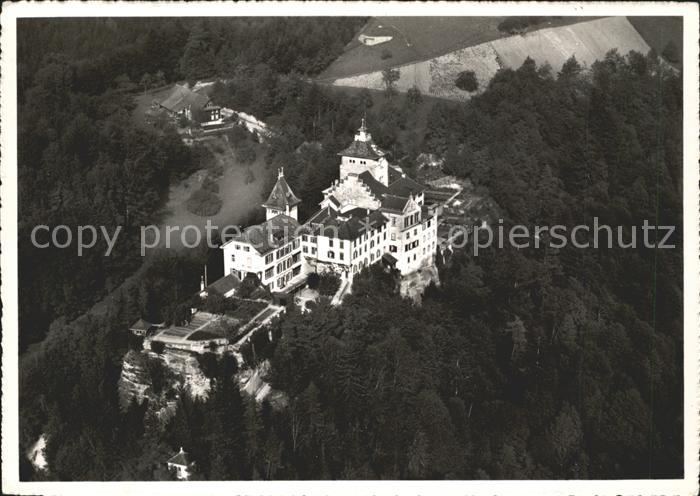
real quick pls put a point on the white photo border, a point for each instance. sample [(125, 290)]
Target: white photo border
[(8, 242)]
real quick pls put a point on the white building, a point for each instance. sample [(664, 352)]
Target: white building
[(181, 464), (372, 212)]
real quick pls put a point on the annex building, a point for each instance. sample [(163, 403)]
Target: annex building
[(371, 213)]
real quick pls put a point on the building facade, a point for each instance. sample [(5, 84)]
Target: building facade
[(371, 213)]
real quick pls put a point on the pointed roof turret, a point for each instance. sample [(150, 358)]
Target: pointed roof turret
[(363, 146), (281, 195), (180, 458)]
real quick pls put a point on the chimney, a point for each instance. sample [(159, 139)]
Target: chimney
[(201, 288)]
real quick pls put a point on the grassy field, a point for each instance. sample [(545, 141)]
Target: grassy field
[(239, 196), (588, 41), (421, 38)]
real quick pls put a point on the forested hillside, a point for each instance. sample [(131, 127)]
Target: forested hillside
[(524, 363), (83, 161)]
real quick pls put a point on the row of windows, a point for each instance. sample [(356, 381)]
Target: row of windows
[(352, 161), (366, 236), (415, 233), (310, 239), (410, 220), (242, 247), (306, 250), (331, 254), (411, 245)]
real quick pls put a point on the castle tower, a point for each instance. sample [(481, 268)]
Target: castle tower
[(281, 200), (364, 156)]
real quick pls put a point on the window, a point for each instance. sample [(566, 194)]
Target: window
[(415, 231), (269, 258), (393, 236), (331, 254), (313, 251), (384, 235), (295, 258), (429, 223), (354, 254), (304, 237), (342, 244), (377, 253), (305, 249), (330, 242), (371, 244), (238, 247), (341, 256), (269, 272), (392, 248), (233, 257), (246, 248)]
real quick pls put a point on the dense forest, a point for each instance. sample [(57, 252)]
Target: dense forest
[(77, 135), (531, 363)]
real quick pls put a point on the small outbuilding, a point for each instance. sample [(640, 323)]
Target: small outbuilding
[(181, 464), (143, 328)]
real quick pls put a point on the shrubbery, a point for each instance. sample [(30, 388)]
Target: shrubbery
[(328, 284), (157, 347), (466, 80), (245, 153), (204, 203), (513, 25), (249, 284)]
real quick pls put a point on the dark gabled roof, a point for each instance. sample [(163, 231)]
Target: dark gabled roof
[(225, 284), (269, 235), (182, 97), (377, 188), (363, 149), (394, 174), (405, 186), (334, 200), (427, 212), (141, 325), (180, 459), (394, 203), (281, 196), (348, 225), (389, 258)]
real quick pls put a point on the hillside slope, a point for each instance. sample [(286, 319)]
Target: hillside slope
[(398, 41), (587, 41)]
